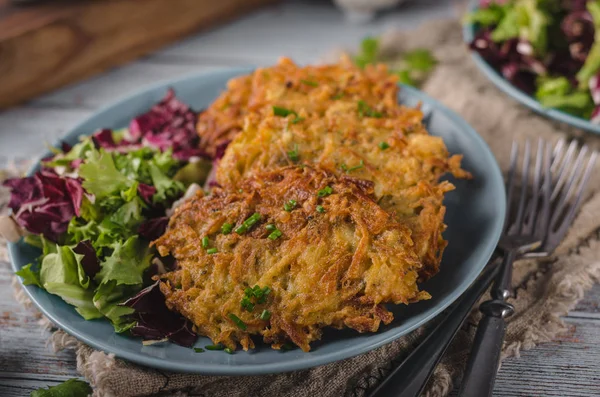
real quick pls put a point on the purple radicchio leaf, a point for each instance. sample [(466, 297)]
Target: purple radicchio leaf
[(155, 321), (152, 229), (89, 262), (146, 192), (169, 124), (45, 202), (104, 139)]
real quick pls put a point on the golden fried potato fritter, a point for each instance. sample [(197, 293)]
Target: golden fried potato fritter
[(314, 90), (346, 121), (337, 259)]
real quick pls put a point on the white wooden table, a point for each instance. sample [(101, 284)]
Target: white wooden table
[(304, 30)]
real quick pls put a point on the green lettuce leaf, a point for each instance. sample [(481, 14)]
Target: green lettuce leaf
[(135, 165), (100, 176), (107, 298), (508, 28), (533, 21), (79, 151), (488, 16), (76, 296), (70, 388), (129, 215), (166, 188), (552, 86), (79, 230), (61, 274), (30, 276), (127, 263), (576, 100)]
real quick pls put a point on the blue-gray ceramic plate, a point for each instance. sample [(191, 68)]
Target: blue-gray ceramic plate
[(475, 212), (499, 81)]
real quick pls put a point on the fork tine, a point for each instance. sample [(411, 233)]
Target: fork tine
[(510, 185), (532, 210), (523, 195), (569, 187), (562, 173), (542, 231), (568, 218), (557, 153)]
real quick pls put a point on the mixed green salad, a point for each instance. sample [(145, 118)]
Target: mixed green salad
[(93, 208), (547, 48)]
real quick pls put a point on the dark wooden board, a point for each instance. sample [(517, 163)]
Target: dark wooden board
[(48, 44)]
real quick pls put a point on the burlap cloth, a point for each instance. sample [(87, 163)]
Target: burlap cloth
[(545, 289)]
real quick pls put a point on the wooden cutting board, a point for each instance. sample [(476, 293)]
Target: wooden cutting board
[(47, 44)]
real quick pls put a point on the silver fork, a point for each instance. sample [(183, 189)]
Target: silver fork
[(408, 379), (536, 221)]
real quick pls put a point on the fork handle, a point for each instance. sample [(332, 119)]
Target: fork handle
[(480, 374), (410, 377)]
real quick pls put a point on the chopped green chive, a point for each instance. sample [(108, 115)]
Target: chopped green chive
[(263, 297), (364, 110), (247, 304), (211, 251), (237, 321), (228, 351), (270, 227), (255, 292), (293, 154), (283, 112), (290, 205), (205, 242), (356, 167), (326, 191), (240, 190), (226, 228), (248, 223), (275, 234), (320, 209), (218, 346), (338, 96), (310, 83), (199, 350), (265, 315), (260, 296), (383, 145)]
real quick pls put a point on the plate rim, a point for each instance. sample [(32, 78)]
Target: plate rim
[(207, 368), (520, 96)]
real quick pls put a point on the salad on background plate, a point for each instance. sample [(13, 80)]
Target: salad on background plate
[(546, 49)]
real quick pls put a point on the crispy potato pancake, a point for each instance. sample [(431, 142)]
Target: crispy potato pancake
[(337, 259), (312, 89), (346, 121)]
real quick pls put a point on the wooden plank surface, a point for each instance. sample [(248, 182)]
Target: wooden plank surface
[(304, 30), (50, 44)]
